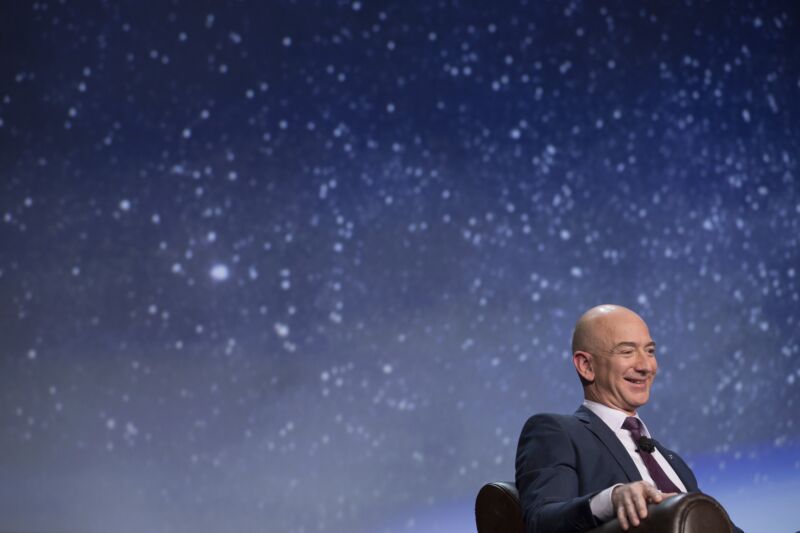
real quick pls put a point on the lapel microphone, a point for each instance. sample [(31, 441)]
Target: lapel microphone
[(646, 444)]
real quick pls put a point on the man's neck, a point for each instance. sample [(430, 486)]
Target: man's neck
[(590, 398), (594, 405)]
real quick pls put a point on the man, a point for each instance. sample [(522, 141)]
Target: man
[(577, 471)]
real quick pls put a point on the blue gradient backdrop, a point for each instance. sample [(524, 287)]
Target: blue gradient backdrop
[(308, 266)]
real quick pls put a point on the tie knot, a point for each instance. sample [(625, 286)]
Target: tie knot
[(632, 424)]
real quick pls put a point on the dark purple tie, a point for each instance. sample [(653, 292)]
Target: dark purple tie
[(664, 484)]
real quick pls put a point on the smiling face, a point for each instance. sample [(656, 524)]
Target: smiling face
[(615, 357)]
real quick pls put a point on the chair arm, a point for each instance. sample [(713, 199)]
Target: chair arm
[(684, 513), (497, 510)]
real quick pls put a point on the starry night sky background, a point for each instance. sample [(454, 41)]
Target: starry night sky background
[(309, 265)]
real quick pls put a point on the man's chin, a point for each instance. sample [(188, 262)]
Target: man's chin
[(638, 400)]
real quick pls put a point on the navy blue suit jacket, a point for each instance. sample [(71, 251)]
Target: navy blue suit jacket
[(564, 460)]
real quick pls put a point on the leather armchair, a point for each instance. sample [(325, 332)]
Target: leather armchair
[(497, 510)]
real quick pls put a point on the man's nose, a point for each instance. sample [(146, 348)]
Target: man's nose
[(645, 363)]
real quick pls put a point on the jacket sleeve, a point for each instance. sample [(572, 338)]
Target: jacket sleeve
[(547, 479)]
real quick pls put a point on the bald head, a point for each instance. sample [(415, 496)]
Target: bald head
[(592, 330), (615, 357)]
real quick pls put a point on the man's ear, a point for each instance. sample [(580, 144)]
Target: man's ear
[(584, 365)]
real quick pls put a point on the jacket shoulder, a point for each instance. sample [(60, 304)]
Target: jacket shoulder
[(553, 420)]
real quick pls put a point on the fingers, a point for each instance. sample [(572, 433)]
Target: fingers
[(631, 507), (623, 499), (630, 502), (641, 505), (653, 494), (618, 501), (622, 517)]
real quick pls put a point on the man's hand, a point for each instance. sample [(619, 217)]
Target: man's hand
[(630, 502)]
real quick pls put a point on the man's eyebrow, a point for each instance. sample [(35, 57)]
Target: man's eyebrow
[(625, 345), (628, 344)]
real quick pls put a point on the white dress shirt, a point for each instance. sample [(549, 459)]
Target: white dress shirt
[(600, 504)]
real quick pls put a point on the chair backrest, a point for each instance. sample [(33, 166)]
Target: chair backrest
[(497, 510)]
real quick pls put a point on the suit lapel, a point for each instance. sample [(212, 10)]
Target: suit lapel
[(678, 467), (610, 441)]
